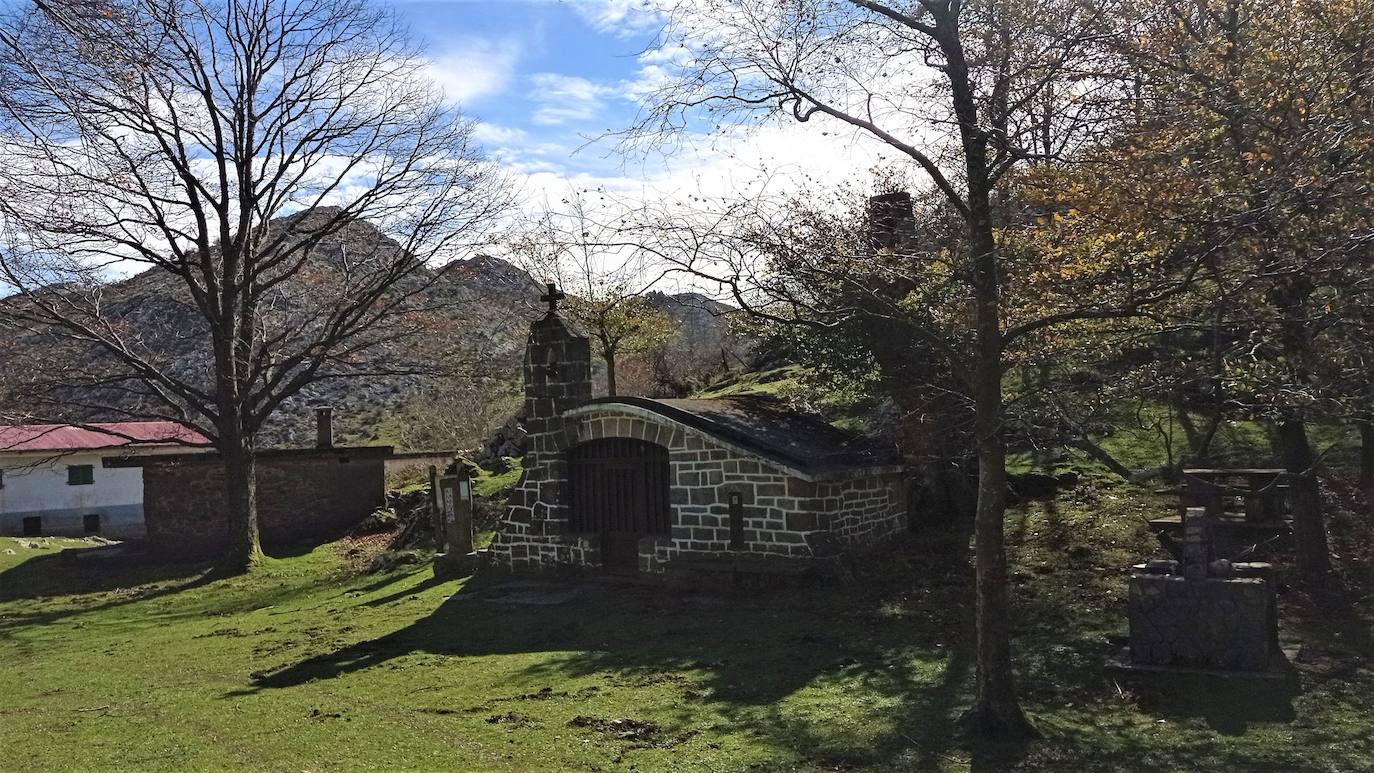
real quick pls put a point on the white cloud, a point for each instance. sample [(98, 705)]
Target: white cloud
[(494, 135), (670, 53), (473, 68), (567, 98), (781, 157), (768, 161), (650, 79), (624, 18)]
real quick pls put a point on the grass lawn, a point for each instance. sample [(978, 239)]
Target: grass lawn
[(307, 666)]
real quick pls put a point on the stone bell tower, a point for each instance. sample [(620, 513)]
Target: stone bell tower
[(558, 375), (558, 378)]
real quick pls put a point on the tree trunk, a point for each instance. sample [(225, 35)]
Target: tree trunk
[(1087, 446), (1199, 443), (995, 711), (1309, 526), (609, 356), (1366, 427), (1291, 295), (244, 548)]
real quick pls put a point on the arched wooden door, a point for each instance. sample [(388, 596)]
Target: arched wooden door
[(619, 488)]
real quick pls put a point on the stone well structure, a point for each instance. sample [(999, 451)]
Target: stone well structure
[(634, 485), (1204, 613)]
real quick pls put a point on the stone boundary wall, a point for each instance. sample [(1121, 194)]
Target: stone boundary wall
[(784, 515), (300, 498)]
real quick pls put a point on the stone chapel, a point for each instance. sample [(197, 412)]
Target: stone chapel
[(631, 485)]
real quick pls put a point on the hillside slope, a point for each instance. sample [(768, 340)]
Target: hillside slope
[(479, 311)]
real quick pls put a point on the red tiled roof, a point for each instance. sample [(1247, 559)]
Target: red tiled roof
[(65, 437)]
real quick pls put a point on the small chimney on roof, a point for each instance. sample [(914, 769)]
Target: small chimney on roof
[(324, 427), (890, 221)]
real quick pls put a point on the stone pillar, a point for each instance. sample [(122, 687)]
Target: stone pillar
[(558, 370), (1195, 553)]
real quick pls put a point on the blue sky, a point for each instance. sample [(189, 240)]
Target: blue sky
[(546, 76), (542, 76)]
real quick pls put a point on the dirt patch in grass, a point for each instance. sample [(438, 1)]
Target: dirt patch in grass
[(630, 729), (513, 719), (358, 552)]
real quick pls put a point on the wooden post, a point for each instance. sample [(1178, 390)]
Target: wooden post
[(436, 511), (460, 515)]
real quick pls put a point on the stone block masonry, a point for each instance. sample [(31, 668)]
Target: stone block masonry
[(785, 516), (1203, 614), (725, 501), (558, 378), (1202, 623)]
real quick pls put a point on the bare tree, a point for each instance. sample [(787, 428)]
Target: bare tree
[(282, 167), (578, 246), (457, 412)]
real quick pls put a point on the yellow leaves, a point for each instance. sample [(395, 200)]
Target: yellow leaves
[(1054, 218)]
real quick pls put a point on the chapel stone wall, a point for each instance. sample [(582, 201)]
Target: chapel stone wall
[(784, 516)]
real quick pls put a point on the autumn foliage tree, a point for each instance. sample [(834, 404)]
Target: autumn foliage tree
[(968, 93), (1248, 147)]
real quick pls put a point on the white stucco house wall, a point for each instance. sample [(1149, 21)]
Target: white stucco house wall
[(53, 482)]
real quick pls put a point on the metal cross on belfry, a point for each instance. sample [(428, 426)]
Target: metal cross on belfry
[(552, 297)]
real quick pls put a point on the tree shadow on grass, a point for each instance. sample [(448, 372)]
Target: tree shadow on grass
[(1227, 705), (47, 589), (88, 570), (404, 593), (132, 577), (899, 640), (738, 655)]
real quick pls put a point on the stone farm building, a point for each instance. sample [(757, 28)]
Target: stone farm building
[(53, 481), (305, 496), (697, 488)]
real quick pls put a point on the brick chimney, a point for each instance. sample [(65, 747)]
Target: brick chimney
[(890, 221), (324, 427)]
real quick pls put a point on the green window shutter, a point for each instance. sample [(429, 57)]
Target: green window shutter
[(80, 474)]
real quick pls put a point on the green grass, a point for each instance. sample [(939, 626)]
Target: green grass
[(777, 382), (1142, 439), (493, 484), (846, 409), (305, 666)]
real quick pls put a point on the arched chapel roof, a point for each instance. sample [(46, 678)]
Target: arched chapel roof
[(769, 429)]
